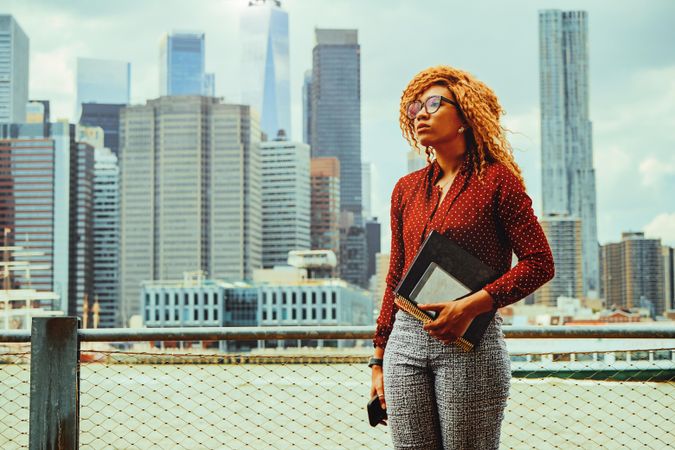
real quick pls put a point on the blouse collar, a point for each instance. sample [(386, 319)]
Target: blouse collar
[(436, 169)]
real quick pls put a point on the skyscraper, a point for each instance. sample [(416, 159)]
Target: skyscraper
[(106, 236), (335, 121), (668, 254), (285, 200), (181, 65), (81, 227), (35, 168), (105, 228), (353, 257), (564, 235), (415, 161), (307, 107), (209, 84), (265, 64), (325, 220), (106, 116), (568, 177), (103, 88), (37, 111), (633, 273), (13, 71), (190, 192), (373, 242), (103, 81)]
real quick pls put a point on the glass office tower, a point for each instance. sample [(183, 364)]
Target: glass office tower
[(181, 64), (335, 121), (265, 65), (13, 71)]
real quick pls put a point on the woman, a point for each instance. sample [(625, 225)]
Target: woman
[(472, 191)]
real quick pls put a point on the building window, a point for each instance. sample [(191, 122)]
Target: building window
[(323, 313), (304, 314), (264, 314), (294, 315), (333, 297), (313, 298), (283, 298), (323, 297), (304, 298)]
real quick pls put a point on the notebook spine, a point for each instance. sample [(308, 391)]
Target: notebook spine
[(412, 309)]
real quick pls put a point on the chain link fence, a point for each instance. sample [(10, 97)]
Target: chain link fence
[(14, 397), (146, 400)]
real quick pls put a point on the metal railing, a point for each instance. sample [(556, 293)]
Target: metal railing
[(126, 398)]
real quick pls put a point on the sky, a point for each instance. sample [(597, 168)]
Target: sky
[(632, 77)]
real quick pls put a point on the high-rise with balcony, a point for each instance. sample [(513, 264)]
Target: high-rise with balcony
[(568, 177), (13, 71), (190, 192), (265, 65), (335, 121), (181, 65), (285, 200)]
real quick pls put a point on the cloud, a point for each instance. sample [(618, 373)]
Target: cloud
[(655, 171), (662, 226)]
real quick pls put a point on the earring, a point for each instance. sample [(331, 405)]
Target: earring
[(461, 130)]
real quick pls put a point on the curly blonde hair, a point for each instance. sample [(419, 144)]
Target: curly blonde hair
[(479, 107)]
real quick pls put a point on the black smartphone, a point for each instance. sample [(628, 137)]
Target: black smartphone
[(375, 411)]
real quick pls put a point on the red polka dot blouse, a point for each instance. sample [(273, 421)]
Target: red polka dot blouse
[(491, 218)]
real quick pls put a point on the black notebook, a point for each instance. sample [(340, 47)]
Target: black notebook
[(443, 271)]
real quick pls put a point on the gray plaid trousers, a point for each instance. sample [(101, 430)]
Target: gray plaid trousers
[(439, 397)]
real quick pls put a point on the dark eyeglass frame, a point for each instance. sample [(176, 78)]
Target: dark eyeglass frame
[(425, 105)]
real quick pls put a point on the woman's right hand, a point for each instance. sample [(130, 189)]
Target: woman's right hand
[(377, 387)]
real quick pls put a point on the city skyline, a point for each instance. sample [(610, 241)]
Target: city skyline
[(631, 76)]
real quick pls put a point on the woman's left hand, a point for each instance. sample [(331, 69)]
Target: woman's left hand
[(452, 321)]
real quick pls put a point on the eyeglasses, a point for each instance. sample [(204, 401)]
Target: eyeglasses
[(431, 105)]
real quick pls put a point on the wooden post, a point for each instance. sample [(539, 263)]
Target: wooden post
[(54, 384)]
